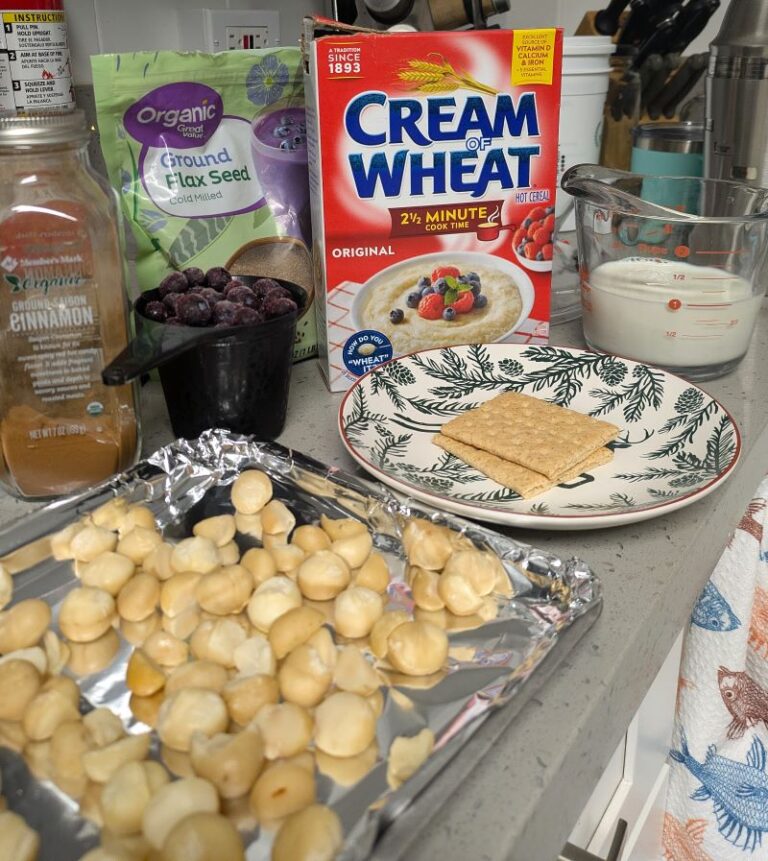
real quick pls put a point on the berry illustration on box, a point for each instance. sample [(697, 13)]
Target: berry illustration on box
[(432, 165)]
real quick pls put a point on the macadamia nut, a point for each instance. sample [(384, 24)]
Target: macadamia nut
[(136, 515), (323, 575), (229, 554), (458, 594), (311, 834), (282, 789), (254, 656), (61, 542), (260, 563), (286, 729), (277, 518), (417, 648), (23, 625), (250, 525), (19, 684), (354, 549), (217, 640), (251, 491), (354, 674), (310, 539), (424, 585), (197, 674), (177, 594), (158, 561), (91, 541), (344, 725), (174, 802), (373, 573), (219, 529), (341, 527), (17, 840), (303, 677), (356, 611), (195, 554), (110, 515), (137, 632), (103, 727), (294, 628), (93, 657), (86, 614), (427, 544), (47, 711), (407, 755), (383, 627), (271, 600), (139, 597), (102, 763), (165, 649), (139, 543), (245, 697), (188, 711), (225, 591), (231, 762), (203, 837), (128, 792), (480, 568), (143, 676)]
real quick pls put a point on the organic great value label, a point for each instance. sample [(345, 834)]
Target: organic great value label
[(195, 161)]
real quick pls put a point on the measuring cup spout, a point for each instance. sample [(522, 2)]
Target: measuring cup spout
[(617, 190)]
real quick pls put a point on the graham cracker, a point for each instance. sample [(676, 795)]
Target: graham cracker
[(543, 437), (524, 481)]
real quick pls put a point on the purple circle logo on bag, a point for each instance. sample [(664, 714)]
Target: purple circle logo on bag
[(183, 115)]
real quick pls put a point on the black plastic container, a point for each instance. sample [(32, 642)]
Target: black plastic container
[(235, 378)]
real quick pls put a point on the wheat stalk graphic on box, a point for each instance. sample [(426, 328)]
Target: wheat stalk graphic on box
[(425, 76)]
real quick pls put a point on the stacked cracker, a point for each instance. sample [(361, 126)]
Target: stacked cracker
[(527, 444)]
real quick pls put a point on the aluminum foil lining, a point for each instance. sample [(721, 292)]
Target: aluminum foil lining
[(186, 481)]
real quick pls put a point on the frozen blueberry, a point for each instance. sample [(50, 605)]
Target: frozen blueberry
[(210, 295), (224, 313), (475, 290), (539, 255), (427, 290), (173, 283), (413, 300), (481, 301), (521, 248), (472, 277), (217, 277), (156, 311), (276, 306), (424, 281), (449, 314), (193, 310), (243, 295), (264, 286), (463, 279), (194, 276), (170, 301), (396, 315), (247, 316), (440, 286), (282, 131)]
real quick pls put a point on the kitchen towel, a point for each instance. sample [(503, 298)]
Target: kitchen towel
[(717, 797)]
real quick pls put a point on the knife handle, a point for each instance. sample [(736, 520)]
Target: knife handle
[(696, 65), (607, 20)]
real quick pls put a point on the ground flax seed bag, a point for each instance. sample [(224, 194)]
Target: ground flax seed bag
[(208, 154)]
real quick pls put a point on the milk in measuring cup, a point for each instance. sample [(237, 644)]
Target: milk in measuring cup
[(668, 313)]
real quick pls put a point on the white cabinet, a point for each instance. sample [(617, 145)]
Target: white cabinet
[(633, 786)]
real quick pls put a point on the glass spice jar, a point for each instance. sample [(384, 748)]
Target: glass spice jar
[(63, 313)]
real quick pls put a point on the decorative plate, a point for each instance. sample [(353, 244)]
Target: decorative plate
[(676, 444)]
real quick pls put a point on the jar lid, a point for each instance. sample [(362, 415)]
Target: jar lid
[(42, 129)]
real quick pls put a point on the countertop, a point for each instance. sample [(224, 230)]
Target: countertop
[(516, 789)]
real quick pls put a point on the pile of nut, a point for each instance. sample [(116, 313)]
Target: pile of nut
[(255, 673)]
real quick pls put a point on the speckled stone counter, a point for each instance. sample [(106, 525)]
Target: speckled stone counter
[(516, 789)]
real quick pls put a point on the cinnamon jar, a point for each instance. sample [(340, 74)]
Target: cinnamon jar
[(63, 313)]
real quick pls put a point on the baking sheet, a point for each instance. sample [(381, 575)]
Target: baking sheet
[(186, 481)]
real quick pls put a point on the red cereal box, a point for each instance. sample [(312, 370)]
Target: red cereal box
[(432, 170)]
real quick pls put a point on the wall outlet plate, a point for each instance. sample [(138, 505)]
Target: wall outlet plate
[(231, 29)]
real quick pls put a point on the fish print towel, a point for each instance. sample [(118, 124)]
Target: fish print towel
[(717, 799)]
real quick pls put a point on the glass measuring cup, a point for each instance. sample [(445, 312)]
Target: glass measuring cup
[(673, 269)]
